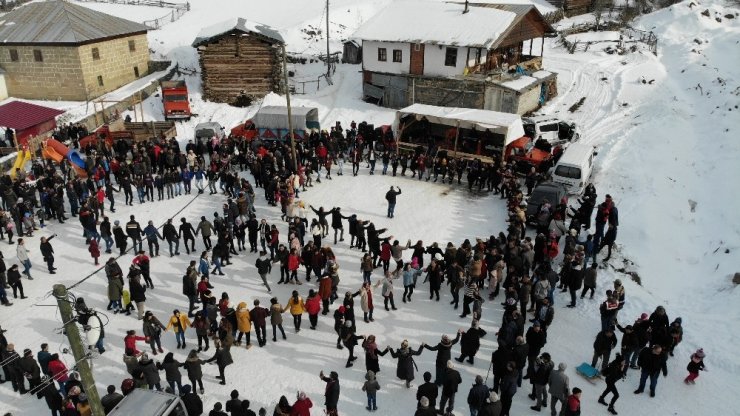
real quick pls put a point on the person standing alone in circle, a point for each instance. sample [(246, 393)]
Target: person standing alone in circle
[(390, 196)]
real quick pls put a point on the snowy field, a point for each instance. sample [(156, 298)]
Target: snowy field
[(663, 148)]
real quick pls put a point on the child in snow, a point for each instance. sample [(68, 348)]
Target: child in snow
[(371, 388), (94, 250), (695, 365)]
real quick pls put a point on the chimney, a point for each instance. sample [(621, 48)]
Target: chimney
[(466, 7)]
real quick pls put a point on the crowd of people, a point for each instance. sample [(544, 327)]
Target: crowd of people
[(520, 271)]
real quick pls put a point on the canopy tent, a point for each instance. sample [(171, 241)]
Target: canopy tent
[(276, 117), (506, 124)]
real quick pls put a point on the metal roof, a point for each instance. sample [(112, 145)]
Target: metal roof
[(236, 24), (60, 22), (20, 115)]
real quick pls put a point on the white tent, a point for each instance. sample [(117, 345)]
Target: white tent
[(276, 117), (506, 124)]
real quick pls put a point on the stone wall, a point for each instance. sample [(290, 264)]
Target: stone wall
[(115, 63), (57, 77), (71, 73)]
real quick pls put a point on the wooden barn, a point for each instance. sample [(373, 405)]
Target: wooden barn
[(352, 52), (240, 60)]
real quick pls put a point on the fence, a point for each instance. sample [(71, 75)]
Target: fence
[(179, 9), (299, 87)]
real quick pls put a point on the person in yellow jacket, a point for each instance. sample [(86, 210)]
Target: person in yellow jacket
[(297, 309), (179, 323), (243, 323)]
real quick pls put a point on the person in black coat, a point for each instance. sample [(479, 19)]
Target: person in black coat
[(428, 390), (391, 197), (615, 371), (187, 233), (222, 357), (536, 339), (47, 251), (193, 403), (470, 342), (452, 380), (331, 394), (443, 348), (170, 234), (651, 361), (50, 393), (110, 400), (30, 369), (499, 361), (406, 364), (603, 344), (477, 395)]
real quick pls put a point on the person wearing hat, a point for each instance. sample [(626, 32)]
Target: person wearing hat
[(539, 378), (406, 365), (695, 365), (301, 407), (477, 396), (83, 407), (331, 392), (134, 232), (30, 369), (119, 235), (444, 354)]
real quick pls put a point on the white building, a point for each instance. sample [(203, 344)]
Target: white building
[(453, 54)]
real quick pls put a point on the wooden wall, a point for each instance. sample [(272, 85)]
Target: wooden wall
[(529, 27), (239, 64)]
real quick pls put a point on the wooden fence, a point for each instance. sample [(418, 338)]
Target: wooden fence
[(178, 9)]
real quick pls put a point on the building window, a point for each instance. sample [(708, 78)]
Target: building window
[(38, 56), (136, 71), (397, 55), (382, 55), (13, 55), (478, 56), (451, 57), (95, 54), (132, 46), (100, 80)]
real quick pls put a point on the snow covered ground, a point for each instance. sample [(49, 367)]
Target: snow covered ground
[(663, 148)]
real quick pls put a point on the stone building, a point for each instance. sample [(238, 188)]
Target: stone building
[(56, 50)]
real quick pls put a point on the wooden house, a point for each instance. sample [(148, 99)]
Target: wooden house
[(352, 52), (239, 59), (465, 55)]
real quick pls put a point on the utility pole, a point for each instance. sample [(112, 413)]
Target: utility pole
[(79, 350), (290, 113), (328, 59)]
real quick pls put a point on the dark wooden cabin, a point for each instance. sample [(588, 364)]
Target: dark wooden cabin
[(352, 52), (239, 59)]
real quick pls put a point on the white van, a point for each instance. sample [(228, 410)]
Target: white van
[(574, 167), (141, 402)]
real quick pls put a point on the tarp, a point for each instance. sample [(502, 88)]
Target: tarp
[(506, 124), (276, 117)]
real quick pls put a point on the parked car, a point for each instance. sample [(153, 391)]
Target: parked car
[(550, 129), (553, 192), (141, 402), (208, 130), (574, 167)]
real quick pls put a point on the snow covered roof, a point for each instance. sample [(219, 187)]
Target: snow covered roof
[(416, 21), (60, 22), (525, 81), (236, 24), (276, 116), (510, 125)]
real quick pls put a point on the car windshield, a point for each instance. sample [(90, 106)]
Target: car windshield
[(568, 172), (205, 133), (175, 97)]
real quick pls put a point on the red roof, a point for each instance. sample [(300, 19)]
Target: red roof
[(20, 115)]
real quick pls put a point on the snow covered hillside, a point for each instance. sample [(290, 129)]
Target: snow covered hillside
[(668, 153)]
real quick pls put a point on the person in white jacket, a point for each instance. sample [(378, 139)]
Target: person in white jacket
[(23, 258)]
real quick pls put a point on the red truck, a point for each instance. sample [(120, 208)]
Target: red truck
[(175, 100)]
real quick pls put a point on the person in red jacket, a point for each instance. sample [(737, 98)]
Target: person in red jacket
[(293, 263), (302, 406), (129, 342), (385, 255), (573, 405), (313, 307), (94, 250), (58, 372)]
